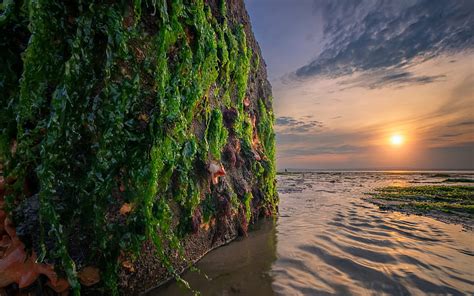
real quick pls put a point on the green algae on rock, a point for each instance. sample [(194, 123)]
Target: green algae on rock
[(453, 203), (106, 104)]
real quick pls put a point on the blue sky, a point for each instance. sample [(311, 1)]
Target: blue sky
[(349, 74)]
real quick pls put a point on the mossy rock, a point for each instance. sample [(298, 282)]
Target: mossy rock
[(113, 104)]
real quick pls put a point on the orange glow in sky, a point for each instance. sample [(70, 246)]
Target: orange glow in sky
[(397, 140), (344, 100)]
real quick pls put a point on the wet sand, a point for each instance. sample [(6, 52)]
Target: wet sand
[(329, 241), (240, 267)]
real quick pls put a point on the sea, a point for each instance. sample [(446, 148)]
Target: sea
[(328, 240)]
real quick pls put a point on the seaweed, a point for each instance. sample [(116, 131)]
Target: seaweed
[(100, 113), (449, 199)]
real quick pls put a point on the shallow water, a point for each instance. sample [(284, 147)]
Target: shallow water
[(327, 240)]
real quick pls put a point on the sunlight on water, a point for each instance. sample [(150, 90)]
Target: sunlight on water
[(328, 240)]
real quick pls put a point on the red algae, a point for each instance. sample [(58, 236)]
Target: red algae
[(16, 266)]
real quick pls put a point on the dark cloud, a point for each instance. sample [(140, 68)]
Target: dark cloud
[(450, 135), (292, 125), (463, 123), (368, 35), (391, 77), (285, 121)]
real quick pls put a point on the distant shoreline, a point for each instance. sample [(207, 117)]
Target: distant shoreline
[(453, 171)]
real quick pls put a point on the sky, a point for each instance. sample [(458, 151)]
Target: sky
[(349, 75)]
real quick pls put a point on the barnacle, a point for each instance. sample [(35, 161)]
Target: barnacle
[(246, 101), (217, 170)]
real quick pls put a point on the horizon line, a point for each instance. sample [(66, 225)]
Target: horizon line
[(377, 169)]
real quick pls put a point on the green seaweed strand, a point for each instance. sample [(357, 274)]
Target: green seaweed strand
[(105, 114)]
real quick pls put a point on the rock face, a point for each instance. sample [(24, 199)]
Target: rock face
[(136, 136)]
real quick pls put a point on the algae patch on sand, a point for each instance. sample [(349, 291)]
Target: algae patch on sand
[(447, 203)]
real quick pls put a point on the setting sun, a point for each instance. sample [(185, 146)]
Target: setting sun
[(396, 140)]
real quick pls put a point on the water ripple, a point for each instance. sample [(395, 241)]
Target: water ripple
[(328, 241), (349, 247)]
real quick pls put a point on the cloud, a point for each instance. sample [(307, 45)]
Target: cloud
[(450, 135), (287, 124), (390, 77), (312, 151), (463, 123), (389, 36), (324, 142)]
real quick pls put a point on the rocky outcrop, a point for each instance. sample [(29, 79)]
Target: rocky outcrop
[(136, 136)]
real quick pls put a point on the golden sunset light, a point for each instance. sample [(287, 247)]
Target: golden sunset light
[(397, 140), (326, 145)]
